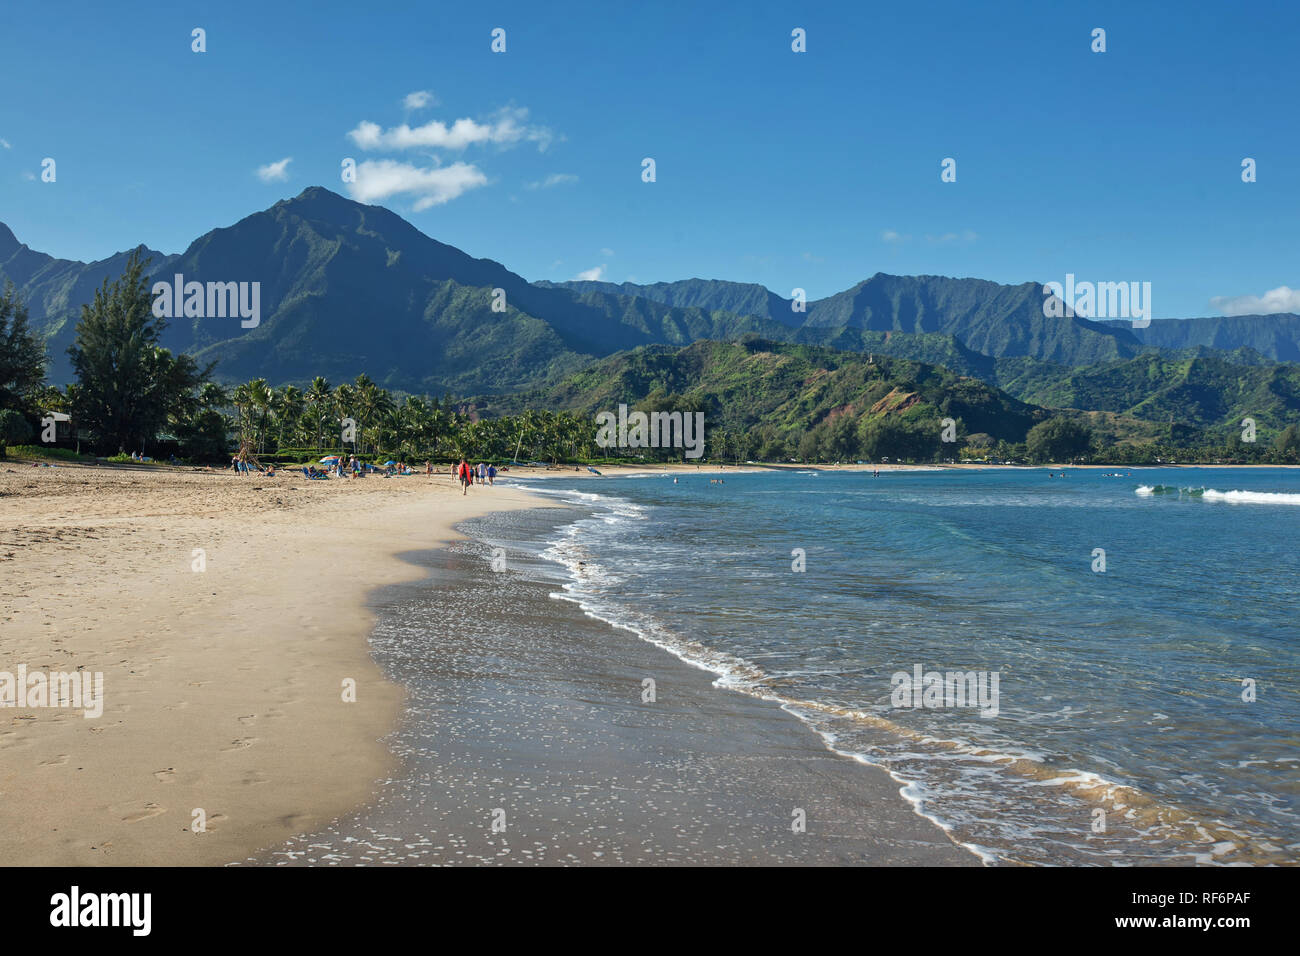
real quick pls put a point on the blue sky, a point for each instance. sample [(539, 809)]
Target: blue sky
[(811, 170)]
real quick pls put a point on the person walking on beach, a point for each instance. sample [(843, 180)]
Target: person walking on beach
[(492, 474), (464, 476)]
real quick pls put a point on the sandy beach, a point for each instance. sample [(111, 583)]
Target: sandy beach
[(223, 689)]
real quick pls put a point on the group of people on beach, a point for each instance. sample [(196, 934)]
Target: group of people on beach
[(466, 474), (241, 467), (359, 469)]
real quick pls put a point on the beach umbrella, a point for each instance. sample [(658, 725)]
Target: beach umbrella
[(329, 458)]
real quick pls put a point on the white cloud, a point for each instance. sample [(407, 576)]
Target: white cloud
[(591, 275), (607, 253), (893, 237), (555, 179), (29, 176), (276, 172), (4, 144), (379, 179), (1281, 299), (506, 128), (809, 257), (967, 236), (419, 100)]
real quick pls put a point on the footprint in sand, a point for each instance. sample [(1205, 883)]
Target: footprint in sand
[(55, 762), (214, 822), (164, 776), (150, 810), (240, 743)]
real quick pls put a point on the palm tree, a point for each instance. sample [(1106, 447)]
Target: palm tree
[(531, 429), (373, 403), (244, 400), (345, 397), (262, 396), (319, 401), (289, 406), (393, 433), (213, 396)]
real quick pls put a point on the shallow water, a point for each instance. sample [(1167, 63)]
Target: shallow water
[(1121, 735), (528, 739)]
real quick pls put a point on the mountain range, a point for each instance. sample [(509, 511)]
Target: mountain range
[(349, 288)]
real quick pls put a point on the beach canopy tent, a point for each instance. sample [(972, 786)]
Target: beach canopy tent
[(389, 462)]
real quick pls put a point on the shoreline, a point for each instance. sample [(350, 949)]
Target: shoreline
[(530, 708), (222, 690)]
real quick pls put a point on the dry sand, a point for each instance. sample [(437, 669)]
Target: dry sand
[(223, 688)]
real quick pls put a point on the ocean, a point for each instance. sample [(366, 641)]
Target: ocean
[(1129, 642)]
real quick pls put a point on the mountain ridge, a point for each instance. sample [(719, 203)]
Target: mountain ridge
[(348, 287)]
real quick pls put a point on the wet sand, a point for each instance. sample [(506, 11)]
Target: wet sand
[(527, 740)]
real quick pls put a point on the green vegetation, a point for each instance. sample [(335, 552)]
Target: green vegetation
[(1204, 391), (766, 400), (22, 371), (46, 451), (128, 387), (884, 392), (14, 428), (1058, 439), (22, 355)]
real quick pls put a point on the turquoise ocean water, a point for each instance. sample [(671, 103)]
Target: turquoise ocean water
[(1121, 735)]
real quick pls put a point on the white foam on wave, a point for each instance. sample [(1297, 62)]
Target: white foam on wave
[(1253, 497), (915, 793), (1231, 497)]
